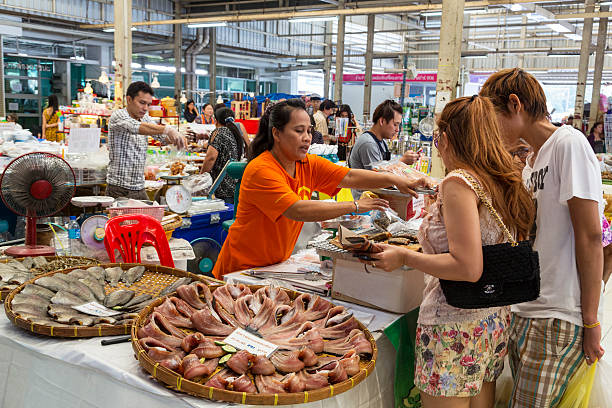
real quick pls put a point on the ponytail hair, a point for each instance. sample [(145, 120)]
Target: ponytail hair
[(225, 117), (276, 116)]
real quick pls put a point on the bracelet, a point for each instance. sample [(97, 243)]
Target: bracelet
[(356, 207), (592, 326)]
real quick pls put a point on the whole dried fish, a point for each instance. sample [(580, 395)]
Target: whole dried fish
[(79, 273), (138, 306), (28, 262), (34, 289), (22, 298), (38, 262), (65, 277), (118, 298), (173, 286), (95, 286), (97, 272), (105, 320), (66, 298), (52, 283), (81, 290), (30, 309), (18, 266), (83, 320), (113, 275), (64, 314), (136, 300), (20, 278), (132, 275)]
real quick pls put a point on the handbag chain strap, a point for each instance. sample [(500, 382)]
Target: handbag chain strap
[(485, 200)]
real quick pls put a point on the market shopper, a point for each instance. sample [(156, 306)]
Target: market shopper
[(191, 112), (226, 144), (596, 138), (371, 147), (320, 116), (50, 120), (128, 129), (552, 335), (345, 111), (11, 117), (277, 186), (459, 353), (208, 115)]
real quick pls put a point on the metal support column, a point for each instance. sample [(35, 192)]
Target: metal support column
[(212, 71), (123, 49), (521, 57), (449, 62), (339, 54), (178, 54), (367, 82), (2, 95), (328, 60), (583, 65), (602, 37)]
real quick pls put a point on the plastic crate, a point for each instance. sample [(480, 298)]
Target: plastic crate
[(155, 211), (89, 176)]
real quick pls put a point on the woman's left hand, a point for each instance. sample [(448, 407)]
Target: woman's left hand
[(387, 257)]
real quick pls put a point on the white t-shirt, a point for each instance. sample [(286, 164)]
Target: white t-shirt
[(565, 167)]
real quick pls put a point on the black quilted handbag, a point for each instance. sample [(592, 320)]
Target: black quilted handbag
[(511, 271)]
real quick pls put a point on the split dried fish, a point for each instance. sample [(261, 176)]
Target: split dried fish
[(34, 289), (66, 298), (136, 300), (95, 286), (132, 275), (105, 320), (31, 309), (52, 283), (97, 272), (118, 298), (139, 306), (21, 298), (20, 278), (38, 261), (64, 314), (173, 286), (79, 273), (28, 262), (83, 320), (81, 290), (113, 275)]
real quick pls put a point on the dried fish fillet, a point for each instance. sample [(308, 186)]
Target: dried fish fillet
[(52, 283), (118, 298), (34, 289), (66, 298), (113, 275)]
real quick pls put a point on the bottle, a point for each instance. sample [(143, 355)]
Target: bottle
[(74, 235)]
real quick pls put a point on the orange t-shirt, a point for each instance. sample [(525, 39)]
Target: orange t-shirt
[(261, 235)]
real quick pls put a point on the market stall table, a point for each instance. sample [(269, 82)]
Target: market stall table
[(40, 371)]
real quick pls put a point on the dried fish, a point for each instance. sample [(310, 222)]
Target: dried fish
[(105, 320), (20, 278), (52, 283), (57, 264), (173, 286), (34, 289), (139, 306), (132, 275), (97, 272), (31, 309), (28, 262), (17, 265), (81, 290), (79, 273), (136, 300), (64, 314), (66, 298), (83, 320), (119, 297), (113, 275), (21, 298), (38, 261), (95, 286)]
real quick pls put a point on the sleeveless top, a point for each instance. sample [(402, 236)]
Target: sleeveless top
[(432, 237)]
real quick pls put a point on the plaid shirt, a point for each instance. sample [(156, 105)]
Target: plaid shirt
[(127, 150)]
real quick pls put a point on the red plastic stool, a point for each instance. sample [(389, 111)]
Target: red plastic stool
[(129, 238)]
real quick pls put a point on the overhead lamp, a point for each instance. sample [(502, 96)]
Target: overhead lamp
[(161, 68), (183, 98), (112, 29), (103, 78), (77, 58), (561, 27), (201, 72), (155, 82), (209, 24), (88, 89), (432, 14), (312, 19)]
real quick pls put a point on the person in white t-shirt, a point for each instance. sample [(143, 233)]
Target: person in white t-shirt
[(552, 334)]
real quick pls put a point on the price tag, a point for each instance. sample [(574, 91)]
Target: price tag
[(243, 340), (96, 309), (84, 140)]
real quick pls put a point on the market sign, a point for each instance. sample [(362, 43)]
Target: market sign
[(25, 67), (395, 77)]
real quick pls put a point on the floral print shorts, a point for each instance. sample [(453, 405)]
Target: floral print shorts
[(453, 360)]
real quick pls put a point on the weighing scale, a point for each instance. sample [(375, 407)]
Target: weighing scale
[(93, 220), (174, 194)]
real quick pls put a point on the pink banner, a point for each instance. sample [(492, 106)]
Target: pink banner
[(396, 77)]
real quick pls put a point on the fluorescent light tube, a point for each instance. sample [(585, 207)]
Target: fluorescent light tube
[(210, 24), (312, 19)]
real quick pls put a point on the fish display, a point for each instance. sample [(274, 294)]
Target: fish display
[(50, 300), (318, 344)]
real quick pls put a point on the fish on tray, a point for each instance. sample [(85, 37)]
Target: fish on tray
[(113, 275), (172, 288), (118, 298), (132, 275), (66, 298)]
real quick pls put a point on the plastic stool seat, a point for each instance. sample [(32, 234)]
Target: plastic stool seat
[(227, 224), (128, 238)]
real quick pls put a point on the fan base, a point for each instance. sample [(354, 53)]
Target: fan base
[(23, 251)]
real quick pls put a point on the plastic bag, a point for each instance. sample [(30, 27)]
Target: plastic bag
[(601, 394), (578, 392), (198, 184), (383, 219)]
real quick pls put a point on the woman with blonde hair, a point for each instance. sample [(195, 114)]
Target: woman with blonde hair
[(460, 353)]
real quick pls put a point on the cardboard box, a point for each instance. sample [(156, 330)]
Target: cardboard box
[(399, 291)]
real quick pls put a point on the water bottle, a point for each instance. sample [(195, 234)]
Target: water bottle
[(74, 235)]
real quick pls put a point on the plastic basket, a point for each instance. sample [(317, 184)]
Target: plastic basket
[(155, 211)]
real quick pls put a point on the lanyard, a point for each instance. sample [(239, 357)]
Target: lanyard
[(386, 154)]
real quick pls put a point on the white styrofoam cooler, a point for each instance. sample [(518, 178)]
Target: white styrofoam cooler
[(399, 291)]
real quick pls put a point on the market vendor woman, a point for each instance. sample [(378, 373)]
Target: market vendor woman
[(277, 185)]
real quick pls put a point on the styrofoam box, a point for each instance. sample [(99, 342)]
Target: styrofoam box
[(399, 291)]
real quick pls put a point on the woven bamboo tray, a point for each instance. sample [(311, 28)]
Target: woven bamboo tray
[(176, 382), (155, 279), (86, 261)]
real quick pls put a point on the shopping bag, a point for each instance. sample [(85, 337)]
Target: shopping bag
[(578, 391), (601, 393)]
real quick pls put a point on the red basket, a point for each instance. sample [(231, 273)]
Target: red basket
[(155, 211)]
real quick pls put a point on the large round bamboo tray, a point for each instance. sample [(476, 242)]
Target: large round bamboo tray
[(176, 382), (155, 279), (85, 261)]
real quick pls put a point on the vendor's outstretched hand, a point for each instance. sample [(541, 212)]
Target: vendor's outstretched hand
[(175, 138), (369, 204)]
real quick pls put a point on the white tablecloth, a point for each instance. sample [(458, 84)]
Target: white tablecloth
[(38, 371)]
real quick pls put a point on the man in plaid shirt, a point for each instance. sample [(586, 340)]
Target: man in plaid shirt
[(127, 143)]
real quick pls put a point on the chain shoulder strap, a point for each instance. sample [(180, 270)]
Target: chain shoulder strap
[(485, 200)]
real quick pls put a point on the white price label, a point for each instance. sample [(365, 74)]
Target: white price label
[(96, 309), (243, 340), (83, 140)]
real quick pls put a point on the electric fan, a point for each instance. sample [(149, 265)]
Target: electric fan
[(206, 251), (36, 185)]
